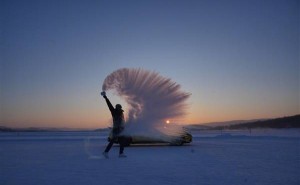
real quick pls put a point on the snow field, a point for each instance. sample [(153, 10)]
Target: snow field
[(45, 158)]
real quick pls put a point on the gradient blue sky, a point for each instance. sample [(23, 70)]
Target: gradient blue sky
[(239, 59)]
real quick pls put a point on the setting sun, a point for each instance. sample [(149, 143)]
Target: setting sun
[(168, 121)]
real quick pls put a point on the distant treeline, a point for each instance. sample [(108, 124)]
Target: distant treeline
[(284, 122), (6, 129), (34, 129), (30, 129)]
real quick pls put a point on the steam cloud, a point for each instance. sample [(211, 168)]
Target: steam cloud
[(152, 98)]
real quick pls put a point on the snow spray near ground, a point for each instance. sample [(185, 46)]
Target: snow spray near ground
[(90, 144), (152, 98)]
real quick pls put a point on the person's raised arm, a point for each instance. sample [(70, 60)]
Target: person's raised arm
[(110, 106)]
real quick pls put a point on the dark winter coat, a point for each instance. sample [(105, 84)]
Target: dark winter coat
[(118, 118)]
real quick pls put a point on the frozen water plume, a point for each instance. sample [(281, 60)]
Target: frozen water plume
[(152, 100)]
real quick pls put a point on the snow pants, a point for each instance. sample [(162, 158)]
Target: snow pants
[(121, 140)]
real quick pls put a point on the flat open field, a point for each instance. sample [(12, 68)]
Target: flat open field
[(233, 157)]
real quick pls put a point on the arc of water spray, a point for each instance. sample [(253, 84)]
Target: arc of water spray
[(152, 98)]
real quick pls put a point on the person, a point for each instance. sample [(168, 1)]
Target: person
[(118, 127)]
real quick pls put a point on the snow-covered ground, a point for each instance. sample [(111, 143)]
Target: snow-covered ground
[(267, 157)]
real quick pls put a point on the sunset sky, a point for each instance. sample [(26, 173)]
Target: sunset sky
[(239, 59)]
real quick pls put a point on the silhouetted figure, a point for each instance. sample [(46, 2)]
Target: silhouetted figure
[(118, 127)]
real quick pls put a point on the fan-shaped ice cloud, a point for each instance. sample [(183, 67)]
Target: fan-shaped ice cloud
[(152, 98)]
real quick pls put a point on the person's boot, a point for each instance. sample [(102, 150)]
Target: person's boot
[(105, 154), (122, 155)]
